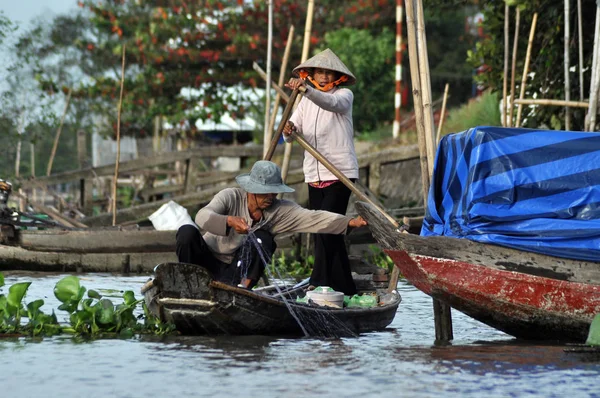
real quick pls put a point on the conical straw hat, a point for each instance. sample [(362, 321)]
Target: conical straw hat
[(327, 60)]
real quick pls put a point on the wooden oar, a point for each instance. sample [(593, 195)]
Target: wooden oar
[(284, 118), (345, 180)]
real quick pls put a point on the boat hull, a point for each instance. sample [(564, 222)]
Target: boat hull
[(526, 295), (524, 306), (186, 295)]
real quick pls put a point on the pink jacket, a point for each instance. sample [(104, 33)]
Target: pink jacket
[(325, 120)]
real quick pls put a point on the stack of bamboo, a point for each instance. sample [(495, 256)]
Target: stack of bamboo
[(508, 118)]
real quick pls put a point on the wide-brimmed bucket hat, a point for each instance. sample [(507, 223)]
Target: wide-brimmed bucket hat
[(327, 60), (265, 177)]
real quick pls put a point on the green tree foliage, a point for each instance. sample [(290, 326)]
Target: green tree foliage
[(371, 59), (546, 79)]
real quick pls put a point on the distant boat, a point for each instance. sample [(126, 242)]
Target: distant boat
[(187, 296), (109, 249)]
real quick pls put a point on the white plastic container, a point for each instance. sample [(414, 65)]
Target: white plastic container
[(326, 296), (170, 217)]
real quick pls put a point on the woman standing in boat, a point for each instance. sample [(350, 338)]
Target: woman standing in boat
[(324, 117)]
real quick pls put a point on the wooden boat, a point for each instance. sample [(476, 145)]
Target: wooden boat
[(95, 240), (187, 296), (85, 250), (524, 294)]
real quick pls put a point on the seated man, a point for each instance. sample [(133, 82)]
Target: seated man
[(234, 212)]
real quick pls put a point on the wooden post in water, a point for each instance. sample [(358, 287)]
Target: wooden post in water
[(417, 44)]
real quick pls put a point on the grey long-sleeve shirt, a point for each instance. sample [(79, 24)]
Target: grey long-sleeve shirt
[(283, 216)]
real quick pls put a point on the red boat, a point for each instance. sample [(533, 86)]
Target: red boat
[(524, 294)]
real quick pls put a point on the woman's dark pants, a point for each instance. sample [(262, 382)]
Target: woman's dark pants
[(332, 267)]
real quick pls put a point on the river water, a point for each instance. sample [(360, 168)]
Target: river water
[(402, 361)]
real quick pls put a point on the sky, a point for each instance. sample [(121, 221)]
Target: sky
[(25, 10)]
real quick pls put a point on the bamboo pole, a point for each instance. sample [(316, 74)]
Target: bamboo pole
[(416, 91), (552, 102), (345, 180), (591, 118), (425, 87), (514, 68), (567, 62), (57, 136), (267, 133), (310, 11), (275, 86), (506, 57), (580, 41), (526, 68), (441, 311), (114, 187), (286, 55), (284, 118), (442, 114), (20, 128), (32, 167)]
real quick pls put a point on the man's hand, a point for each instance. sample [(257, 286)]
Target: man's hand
[(288, 128), (238, 224), (357, 222)]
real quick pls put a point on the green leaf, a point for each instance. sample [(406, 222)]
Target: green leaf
[(106, 312), (94, 294), (1, 280), (594, 334), (34, 306), (67, 289), (16, 293), (129, 297)]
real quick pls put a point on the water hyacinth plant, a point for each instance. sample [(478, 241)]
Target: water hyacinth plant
[(94, 316)]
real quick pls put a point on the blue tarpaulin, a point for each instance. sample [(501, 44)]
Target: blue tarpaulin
[(533, 190)]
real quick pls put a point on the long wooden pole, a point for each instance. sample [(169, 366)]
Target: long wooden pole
[(526, 68), (514, 68), (591, 118), (442, 114), (572, 104), (281, 81), (310, 11), (425, 87), (275, 86), (580, 42), (416, 91), (57, 136), (267, 133), (284, 118), (567, 62), (441, 311), (310, 149), (114, 190), (506, 57)]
